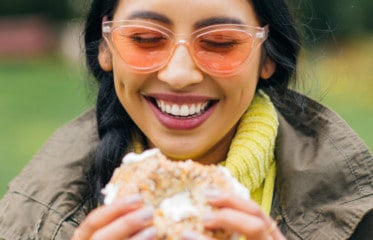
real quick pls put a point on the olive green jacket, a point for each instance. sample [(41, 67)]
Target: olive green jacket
[(324, 182)]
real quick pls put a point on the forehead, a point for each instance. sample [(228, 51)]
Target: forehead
[(187, 13)]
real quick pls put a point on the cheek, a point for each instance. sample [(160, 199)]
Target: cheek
[(124, 80), (120, 84), (243, 85), (128, 87), (249, 77), (125, 87), (119, 89), (241, 89), (127, 92)]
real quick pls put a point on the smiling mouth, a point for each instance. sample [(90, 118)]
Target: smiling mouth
[(183, 110)]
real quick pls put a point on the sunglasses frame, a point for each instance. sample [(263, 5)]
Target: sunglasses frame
[(258, 35)]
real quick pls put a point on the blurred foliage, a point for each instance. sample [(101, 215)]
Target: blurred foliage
[(321, 18), (333, 21), (54, 10), (37, 96)]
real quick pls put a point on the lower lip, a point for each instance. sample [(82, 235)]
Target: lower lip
[(181, 123)]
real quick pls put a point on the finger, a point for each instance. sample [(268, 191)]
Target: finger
[(231, 220), (103, 215), (274, 232), (223, 199), (192, 235), (127, 225), (146, 234)]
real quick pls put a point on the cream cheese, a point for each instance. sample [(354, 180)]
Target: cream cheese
[(178, 207), (110, 191), (134, 157)]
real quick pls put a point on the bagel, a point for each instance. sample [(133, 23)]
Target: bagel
[(175, 189)]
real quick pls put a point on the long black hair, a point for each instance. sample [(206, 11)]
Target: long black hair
[(115, 127)]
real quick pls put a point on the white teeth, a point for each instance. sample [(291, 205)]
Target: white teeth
[(168, 109), (192, 109), (175, 110), (198, 107), (183, 110)]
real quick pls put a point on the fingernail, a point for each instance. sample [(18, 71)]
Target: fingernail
[(134, 199), (149, 234), (146, 214), (212, 194), (208, 217), (190, 235)]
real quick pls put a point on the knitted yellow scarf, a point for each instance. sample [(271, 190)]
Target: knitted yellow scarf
[(251, 155)]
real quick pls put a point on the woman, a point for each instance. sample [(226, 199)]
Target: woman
[(206, 80)]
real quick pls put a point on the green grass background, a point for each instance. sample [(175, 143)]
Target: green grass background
[(39, 95), (36, 97)]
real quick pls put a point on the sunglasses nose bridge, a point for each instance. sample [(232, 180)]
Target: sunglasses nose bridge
[(181, 40)]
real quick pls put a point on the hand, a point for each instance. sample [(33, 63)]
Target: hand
[(237, 215), (124, 219)]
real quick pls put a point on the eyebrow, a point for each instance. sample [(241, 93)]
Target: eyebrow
[(149, 15), (216, 20)]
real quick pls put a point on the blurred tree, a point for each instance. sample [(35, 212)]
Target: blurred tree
[(53, 10), (321, 20), (366, 16), (326, 20)]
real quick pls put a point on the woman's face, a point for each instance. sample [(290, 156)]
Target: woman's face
[(202, 110)]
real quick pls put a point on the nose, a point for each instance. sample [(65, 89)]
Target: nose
[(181, 70)]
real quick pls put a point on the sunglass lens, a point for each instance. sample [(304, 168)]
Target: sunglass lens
[(222, 51), (140, 47)]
